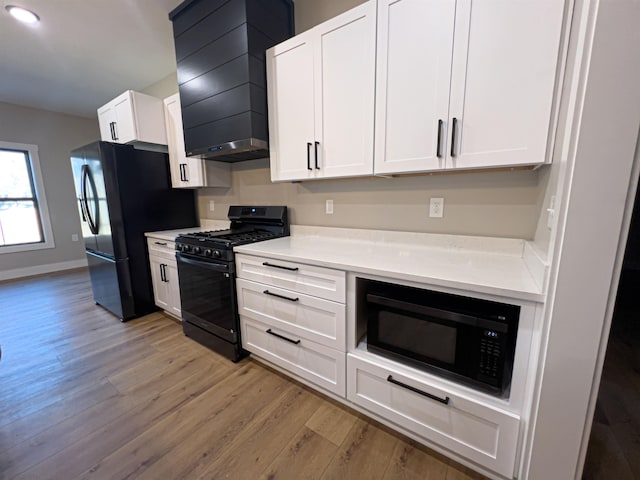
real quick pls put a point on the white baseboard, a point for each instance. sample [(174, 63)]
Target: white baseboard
[(40, 269)]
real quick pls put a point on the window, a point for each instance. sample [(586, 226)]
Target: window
[(24, 217)]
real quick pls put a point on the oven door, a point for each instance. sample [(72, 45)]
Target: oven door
[(208, 295)]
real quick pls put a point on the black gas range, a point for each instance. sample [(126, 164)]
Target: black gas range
[(206, 273)]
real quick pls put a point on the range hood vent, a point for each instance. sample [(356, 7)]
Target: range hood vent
[(220, 53)]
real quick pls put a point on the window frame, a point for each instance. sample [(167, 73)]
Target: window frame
[(40, 200)]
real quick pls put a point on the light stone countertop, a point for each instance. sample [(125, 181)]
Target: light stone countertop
[(487, 265)]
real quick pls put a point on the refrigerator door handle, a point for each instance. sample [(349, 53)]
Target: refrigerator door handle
[(82, 210), (86, 175)]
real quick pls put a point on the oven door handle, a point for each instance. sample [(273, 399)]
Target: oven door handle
[(437, 313), (218, 267)]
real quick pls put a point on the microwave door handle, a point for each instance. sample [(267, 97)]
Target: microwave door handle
[(423, 310)]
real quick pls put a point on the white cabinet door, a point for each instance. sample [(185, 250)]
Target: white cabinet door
[(183, 173), (344, 56), (321, 99), (173, 289), (290, 80), (503, 80), (160, 289), (415, 42), (316, 363), (483, 434), (133, 117), (106, 120), (125, 127), (189, 172)]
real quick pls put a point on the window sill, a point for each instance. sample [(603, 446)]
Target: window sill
[(27, 247)]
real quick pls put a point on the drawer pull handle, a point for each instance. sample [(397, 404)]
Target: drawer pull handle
[(420, 392), (291, 269), (267, 292), (295, 342), (161, 243)]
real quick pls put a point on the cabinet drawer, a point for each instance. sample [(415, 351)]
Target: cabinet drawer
[(482, 434), (313, 318), (161, 247), (315, 281), (316, 363)]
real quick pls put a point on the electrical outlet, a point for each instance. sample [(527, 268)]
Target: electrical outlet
[(329, 207), (436, 207), (74, 237), (212, 205), (551, 212)]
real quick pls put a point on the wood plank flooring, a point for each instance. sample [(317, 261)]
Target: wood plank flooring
[(84, 396)]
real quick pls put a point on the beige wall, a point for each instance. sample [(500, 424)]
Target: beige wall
[(504, 204), (163, 88), (55, 135), (309, 13)]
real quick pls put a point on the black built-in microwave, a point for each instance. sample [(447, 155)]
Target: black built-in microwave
[(466, 339)]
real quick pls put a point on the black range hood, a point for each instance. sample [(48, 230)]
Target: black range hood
[(220, 54)]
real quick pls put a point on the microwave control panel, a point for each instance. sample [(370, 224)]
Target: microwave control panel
[(490, 354)]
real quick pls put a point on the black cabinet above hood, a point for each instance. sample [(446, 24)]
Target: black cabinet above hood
[(220, 53)]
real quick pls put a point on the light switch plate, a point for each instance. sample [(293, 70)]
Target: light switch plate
[(212, 205)]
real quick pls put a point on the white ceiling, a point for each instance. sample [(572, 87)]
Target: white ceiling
[(84, 52)]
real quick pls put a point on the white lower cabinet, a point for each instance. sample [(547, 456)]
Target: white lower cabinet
[(316, 281), (482, 434), (294, 317), (312, 318), (164, 275), (309, 360)]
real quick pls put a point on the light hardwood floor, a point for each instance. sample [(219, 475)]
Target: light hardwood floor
[(84, 396)]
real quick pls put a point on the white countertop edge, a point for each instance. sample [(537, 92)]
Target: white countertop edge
[(467, 243), (205, 224), (421, 279)]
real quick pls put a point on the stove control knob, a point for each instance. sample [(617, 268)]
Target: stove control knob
[(197, 250), (208, 252), (186, 248), (217, 254)]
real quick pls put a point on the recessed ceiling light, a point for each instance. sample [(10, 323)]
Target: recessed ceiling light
[(22, 14)]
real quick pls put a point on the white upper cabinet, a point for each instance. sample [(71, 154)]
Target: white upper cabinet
[(321, 99), (503, 78), (133, 117), (415, 47), (291, 108), (189, 172), (464, 84)]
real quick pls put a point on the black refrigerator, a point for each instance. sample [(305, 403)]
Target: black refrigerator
[(122, 193)]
